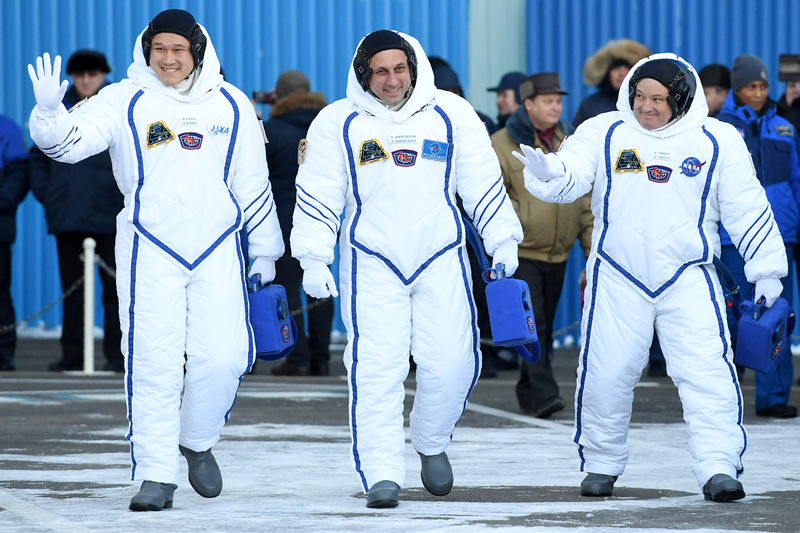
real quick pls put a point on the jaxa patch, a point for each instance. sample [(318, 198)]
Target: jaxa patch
[(692, 166), (435, 150), (404, 158), (190, 140), (371, 151), (784, 130), (659, 173), (628, 161), (302, 146), (158, 133)]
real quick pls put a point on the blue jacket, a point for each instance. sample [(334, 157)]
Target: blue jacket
[(772, 143), (82, 197), (13, 176)]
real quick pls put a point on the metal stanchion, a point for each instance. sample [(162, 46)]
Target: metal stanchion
[(88, 305)]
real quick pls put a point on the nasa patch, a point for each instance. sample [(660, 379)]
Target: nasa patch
[(371, 151), (404, 158), (158, 133), (190, 140), (691, 166), (628, 161), (435, 150), (659, 173)]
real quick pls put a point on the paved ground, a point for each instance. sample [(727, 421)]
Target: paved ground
[(284, 455)]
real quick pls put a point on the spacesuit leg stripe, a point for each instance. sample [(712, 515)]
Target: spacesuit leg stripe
[(250, 342), (731, 368), (475, 335), (129, 373), (585, 361), (354, 371)]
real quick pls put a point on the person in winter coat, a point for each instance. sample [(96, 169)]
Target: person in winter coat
[(188, 155), (550, 229), (606, 69), (14, 187), (393, 154), (291, 115), (82, 201), (771, 141), (663, 175)]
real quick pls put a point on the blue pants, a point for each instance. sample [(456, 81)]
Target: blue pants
[(773, 386)]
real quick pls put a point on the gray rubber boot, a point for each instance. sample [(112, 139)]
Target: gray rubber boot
[(597, 485), (436, 474), (204, 475), (723, 488), (153, 496), (383, 494)]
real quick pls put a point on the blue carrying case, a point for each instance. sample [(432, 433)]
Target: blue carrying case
[(762, 333), (509, 304), (275, 331)]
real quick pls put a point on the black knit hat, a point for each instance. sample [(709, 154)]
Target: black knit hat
[(378, 41), (715, 75), (87, 61), (181, 23)]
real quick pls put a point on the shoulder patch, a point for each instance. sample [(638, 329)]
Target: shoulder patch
[(628, 161), (784, 130), (302, 146), (371, 151), (158, 133), (436, 150)]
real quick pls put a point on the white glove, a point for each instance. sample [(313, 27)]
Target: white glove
[(318, 280), (543, 166), (770, 289), (47, 88), (265, 267), (506, 253)]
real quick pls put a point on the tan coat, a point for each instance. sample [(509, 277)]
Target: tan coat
[(550, 230)]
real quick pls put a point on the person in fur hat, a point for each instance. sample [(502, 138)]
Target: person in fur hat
[(606, 69)]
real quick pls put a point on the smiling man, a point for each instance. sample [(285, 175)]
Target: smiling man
[(393, 155), (662, 175), (188, 155)]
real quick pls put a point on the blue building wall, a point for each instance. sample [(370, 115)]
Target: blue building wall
[(255, 40)]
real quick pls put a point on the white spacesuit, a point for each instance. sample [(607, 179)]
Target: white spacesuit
[(191, 168), (657, 196), (404, 274)]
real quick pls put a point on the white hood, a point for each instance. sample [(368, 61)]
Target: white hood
[(145, 76), (695, 116), (424, 89)]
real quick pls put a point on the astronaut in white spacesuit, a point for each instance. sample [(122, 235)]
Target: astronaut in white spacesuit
[(393, 155), (662, 176), (188, 155)]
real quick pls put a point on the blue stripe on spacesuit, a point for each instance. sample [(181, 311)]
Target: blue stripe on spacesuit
[(354, 369), (473, 322), (496, 209), (354, 180), (772, 225), (750, 242), (585, 362), (250, 342), (333, 216), (140, 182), (745, 234), (706, 188), (477, 220), (129, 373), (325, 222), (57, 150), (731, 369)]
